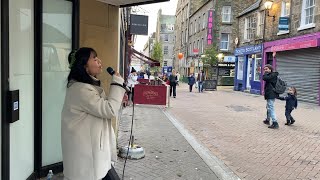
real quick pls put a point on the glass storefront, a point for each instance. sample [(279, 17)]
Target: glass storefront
[(57, 43), (21, 75)]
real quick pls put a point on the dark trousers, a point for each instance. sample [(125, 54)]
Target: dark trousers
[(173, 88), (288, 114), (112, 175), (190, 88)]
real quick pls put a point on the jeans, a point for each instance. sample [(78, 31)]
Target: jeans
[(270, 110), (200, 86), (190, 88)]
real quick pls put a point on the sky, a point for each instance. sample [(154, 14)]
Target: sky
[(151, 10)]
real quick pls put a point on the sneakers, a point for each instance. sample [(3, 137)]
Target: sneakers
[(267, 122), (274, 125)]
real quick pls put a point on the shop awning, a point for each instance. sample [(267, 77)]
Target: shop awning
[(126, 3), (145, 58)]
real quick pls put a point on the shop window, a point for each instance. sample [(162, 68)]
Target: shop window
[(226, 14), (240, 68), (257, 67), (307, 14)]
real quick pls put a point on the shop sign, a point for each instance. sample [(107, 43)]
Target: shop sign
[(296, 45), (229, 59), (210, 27), (139, 24), (253, 49), (283, 24)]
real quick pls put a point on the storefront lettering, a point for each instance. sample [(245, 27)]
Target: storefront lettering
[(210, 26), (149, 95), (248, 50), (297, 45)]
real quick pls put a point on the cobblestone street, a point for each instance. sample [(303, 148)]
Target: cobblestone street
[(230, 124), (168, 155)]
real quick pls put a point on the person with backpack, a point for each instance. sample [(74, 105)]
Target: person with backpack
[(270, 95), (291, 104), (191, 81)]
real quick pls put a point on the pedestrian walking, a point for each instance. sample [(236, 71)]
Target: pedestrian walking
[(191, 81), (132, 81), (178, 78), (87, 137), (200, 79), (291, 104), (173, 83), (270, 95)]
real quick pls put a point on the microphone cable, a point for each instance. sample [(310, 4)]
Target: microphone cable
[(130, 140)]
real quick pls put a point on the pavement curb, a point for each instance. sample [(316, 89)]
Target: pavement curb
[(214, 163)]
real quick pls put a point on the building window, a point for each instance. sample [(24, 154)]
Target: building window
[(186, 36), (202, 46), (195, 26), (224, 41), (165, 63), (199, 24), (183, 15), (198, 44), (163, 27), (307, 14), (190, 48), (250, 27), (182, 38), (165, 50), (170, 27), (190, 30), (226, 14), (166, 37), (285, 10), (260, 24), (204, 21)]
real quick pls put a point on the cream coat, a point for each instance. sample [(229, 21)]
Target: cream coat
[(88, 139)]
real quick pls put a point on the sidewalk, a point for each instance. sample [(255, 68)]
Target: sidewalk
[(168, 155), (230, 125)]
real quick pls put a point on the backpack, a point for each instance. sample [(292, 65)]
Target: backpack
[(281, 86)]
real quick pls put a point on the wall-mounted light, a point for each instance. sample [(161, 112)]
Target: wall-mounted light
[(220, 56), (268, 5)]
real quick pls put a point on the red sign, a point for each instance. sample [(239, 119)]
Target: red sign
[(297, 45), (195, 51), (146, 94)]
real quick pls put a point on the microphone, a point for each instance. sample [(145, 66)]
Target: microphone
[(112, 72)]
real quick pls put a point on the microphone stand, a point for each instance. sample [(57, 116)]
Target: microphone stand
[(135, 152)]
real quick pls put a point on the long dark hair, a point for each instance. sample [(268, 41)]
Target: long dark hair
[(78, 60)]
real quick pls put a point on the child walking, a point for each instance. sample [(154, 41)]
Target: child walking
[(291, 103)]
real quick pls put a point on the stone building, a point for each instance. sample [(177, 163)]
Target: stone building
[(181, 35), (148, 47), (165, 35), (286, 35)]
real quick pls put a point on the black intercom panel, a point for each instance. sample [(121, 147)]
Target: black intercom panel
[(14, 106)]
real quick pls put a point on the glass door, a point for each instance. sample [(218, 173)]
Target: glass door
[(56, 45)]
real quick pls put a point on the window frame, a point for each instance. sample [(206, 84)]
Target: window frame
[(223, 14), (303, 24), (228, 41), (165, 50)]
